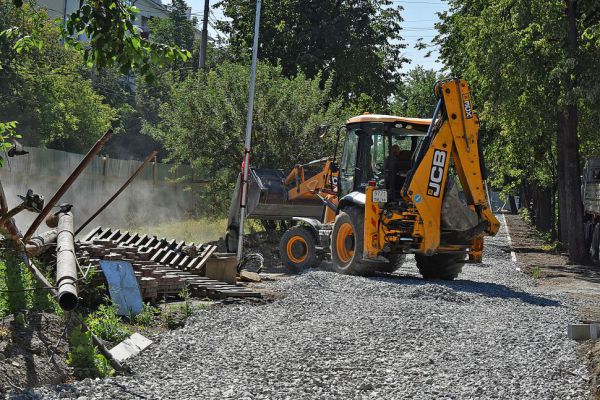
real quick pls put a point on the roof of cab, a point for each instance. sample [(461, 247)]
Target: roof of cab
[(388, 118)]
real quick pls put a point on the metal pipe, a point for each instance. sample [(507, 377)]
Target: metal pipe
[(41, 243), (9, 214), (97, 341), (67, 184), (118, 192), (66, 263), (248, 141)]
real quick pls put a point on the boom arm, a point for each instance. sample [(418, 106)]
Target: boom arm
[(453, 137)]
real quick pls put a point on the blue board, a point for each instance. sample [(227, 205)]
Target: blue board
[(123, 287)]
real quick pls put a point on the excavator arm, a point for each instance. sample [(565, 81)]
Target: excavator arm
[(452, 141)]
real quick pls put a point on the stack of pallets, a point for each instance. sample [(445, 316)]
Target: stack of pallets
[(163, 267)]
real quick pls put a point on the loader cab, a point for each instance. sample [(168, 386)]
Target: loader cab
[(379, 148)]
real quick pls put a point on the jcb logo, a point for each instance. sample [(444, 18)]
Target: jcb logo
[(436, 176), (468, 106)]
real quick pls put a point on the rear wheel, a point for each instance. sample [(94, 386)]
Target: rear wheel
[(347, 243), (396, 261), (298, 248), (440, 266)]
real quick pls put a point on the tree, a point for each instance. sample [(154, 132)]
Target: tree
[(202, 124), (525, 59), (356, 43), (47, 92), (415, 97)]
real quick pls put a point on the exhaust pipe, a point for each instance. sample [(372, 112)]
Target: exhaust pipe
[(66, 262)]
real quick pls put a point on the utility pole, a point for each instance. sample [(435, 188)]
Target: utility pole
[(246, 163), (204, 40)]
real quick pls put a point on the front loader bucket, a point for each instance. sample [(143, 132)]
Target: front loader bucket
[(268, 200)]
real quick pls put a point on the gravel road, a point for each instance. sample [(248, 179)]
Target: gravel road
[(488, 335)]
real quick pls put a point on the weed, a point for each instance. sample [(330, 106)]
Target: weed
[(536, 273), (147, 316), (105, 323), (186, 308), (85, 359)]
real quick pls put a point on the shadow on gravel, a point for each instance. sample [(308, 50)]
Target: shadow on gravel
[(492, 290)]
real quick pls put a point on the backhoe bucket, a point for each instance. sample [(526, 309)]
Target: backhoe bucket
[(268, 200)]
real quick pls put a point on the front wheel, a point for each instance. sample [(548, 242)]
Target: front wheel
[(440, 266), (298, 248), (347, 243)]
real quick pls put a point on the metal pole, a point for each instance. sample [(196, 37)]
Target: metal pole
[(66, 263), (248, 141), (118, 192), (204, 40), (67, 184)]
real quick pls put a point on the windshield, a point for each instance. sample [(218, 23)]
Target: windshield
[(377, 151)]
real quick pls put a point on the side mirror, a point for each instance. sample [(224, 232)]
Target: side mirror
[(322, 130)]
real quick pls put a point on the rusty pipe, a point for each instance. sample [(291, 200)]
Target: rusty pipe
[(118, 192), (67, 184), (41, 243), (66, 263)]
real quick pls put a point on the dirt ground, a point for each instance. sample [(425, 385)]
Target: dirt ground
[(552, 269), (33, 351)]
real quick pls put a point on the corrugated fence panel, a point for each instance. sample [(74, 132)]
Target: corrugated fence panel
[(156, 195)]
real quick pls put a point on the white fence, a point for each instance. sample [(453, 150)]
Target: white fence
[(160, 193)]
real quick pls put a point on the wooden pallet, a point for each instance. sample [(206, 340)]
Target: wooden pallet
[(168, 256)]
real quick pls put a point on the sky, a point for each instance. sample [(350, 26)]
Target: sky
[(419, 18)]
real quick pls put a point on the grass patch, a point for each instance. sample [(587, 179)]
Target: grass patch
[(196, 230), (536, 273), (15, 288)]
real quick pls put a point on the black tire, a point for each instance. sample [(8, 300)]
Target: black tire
[(396, 261), (298, 248), (348, 259), (440, 266)]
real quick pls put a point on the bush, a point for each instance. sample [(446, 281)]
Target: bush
[(85, 359), (146, 317), (107, 324)]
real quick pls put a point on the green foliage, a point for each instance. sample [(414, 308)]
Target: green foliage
[(204, 120), (44, 89), (499, 49), (536, 273), (114, 41), (147, 316), (415, 98), (85, 359), (15, 287), (105, 323), (7, 132), (357, 43)]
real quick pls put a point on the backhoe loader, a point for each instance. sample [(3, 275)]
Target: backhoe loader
[(402, 186)]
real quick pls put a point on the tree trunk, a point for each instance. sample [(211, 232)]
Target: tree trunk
[(543, 209), (572, 180), (512, 204), (563, 232)]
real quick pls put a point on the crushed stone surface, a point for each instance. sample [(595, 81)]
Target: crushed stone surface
[(488, 335)]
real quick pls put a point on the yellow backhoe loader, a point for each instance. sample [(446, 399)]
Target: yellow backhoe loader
[(402, 186)]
